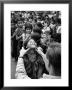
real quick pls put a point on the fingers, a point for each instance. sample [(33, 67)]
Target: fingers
[(40, 49)]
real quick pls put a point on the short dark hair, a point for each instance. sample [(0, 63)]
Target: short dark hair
[(37, 30), (36, 36), (54, 56), (39, 25), (28, 25)]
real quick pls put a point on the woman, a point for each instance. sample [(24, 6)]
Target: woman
[(30, 63)]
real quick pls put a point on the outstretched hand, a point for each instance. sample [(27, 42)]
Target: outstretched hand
[(22, 52), (40, 51)]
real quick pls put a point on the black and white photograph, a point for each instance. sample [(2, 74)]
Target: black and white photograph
[(36, 44)]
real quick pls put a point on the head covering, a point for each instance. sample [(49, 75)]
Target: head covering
[(31, 43)]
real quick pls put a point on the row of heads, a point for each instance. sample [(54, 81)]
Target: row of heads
[(29, 27)]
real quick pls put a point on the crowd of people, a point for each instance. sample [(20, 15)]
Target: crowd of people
[(36, 43)]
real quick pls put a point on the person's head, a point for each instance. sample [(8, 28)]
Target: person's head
[(37, 29), (45, 24), (30, 20), (43, 38), (52, 20), (28, 27), (58, 21), (31, 44), (36, 37), (38, 18), (39, 25), (54, 56), (20, 23)]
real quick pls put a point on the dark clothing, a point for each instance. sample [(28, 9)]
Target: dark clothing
[(36, 68), (14, 47), (16, 43)]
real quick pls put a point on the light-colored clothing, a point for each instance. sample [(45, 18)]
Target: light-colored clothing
[(20, 70)]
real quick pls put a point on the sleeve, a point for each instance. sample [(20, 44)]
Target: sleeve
[(23, 36), (20, 70)]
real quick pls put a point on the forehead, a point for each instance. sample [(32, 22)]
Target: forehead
[(31, 42)]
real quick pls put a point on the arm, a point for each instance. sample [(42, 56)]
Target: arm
[(20, 69), (14, 34), (46, 61), (18, 37)]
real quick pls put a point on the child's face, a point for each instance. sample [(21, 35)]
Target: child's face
[(28, 30), (43, 39), (20, 24), (43, 35)]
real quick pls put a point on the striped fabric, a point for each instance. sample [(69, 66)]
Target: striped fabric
[(20, 70)]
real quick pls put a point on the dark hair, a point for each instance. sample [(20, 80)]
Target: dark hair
[(28, 25), (54, 56), (32, 68), (35, 36), (39, 25), (37, 30), (59, 21), (53, 20)]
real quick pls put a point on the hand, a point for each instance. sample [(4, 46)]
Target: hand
[(39, 49), (22, 52)]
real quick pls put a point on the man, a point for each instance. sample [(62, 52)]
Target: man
[(52, 61), (17, 40)]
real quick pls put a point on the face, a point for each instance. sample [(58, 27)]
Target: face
[(43, 38), (20, 24), (30, 20), (43, 35), (28, 30)]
